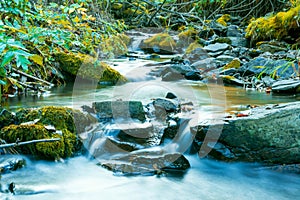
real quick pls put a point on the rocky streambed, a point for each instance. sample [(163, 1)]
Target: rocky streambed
[(130, 138)]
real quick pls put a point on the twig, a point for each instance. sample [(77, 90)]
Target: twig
[(32, 77), (30, 87), (28, 142), (156, 12)]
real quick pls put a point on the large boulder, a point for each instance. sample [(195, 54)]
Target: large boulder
[(270, 135)]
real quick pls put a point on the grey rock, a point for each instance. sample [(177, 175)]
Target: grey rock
[(234, 31), (215, 54), (270, 134), (205, 64), (225, 58), (171, 95), (119, 109), (239, 42), (268, 81), (11, 163), (136, 133), (286, 86), (147, 163), (169, 105), (217, 47), (197, 54), (268, 66), (193, 75), (172, 75)]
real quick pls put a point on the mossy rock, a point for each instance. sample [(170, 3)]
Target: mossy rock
[(60, 117), (224, 19), (276, 26), (192, 47), (159, 43), (68, 124), (188, 35), (87, 67), (235, 63), (49, 151), (114, 46), (222, 40)]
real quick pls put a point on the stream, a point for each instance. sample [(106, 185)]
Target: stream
[(81, 178)]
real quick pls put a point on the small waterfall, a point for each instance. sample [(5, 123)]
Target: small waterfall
[(134, 46), (183, 139)]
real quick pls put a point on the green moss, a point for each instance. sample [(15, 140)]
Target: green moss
[(60, 117), (228, 77), (192, 47), (222, 40), (132, 12), (115, 45), (51, 150), (235, 63), (87, 67), (274, 27), (224, 19), (117, 6), (68, 123), (188, 35), (162, 40)]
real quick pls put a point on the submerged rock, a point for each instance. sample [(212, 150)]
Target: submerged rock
[(11, 163), (147, 163), (269, 135), (136, 133)]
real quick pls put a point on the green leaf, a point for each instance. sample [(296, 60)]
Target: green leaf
[(2, 72), (37, 59), (53, 5), (7, 58), (22, 53), (16, 44), (23, 62), (2, 83), (2, 47)]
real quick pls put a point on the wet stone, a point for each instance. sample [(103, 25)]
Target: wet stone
[(120, 109)]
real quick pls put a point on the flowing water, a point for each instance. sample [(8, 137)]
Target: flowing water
[(81, 178)]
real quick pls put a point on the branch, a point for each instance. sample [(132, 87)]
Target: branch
[(32, 77), (156, 12), (28, 142)]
